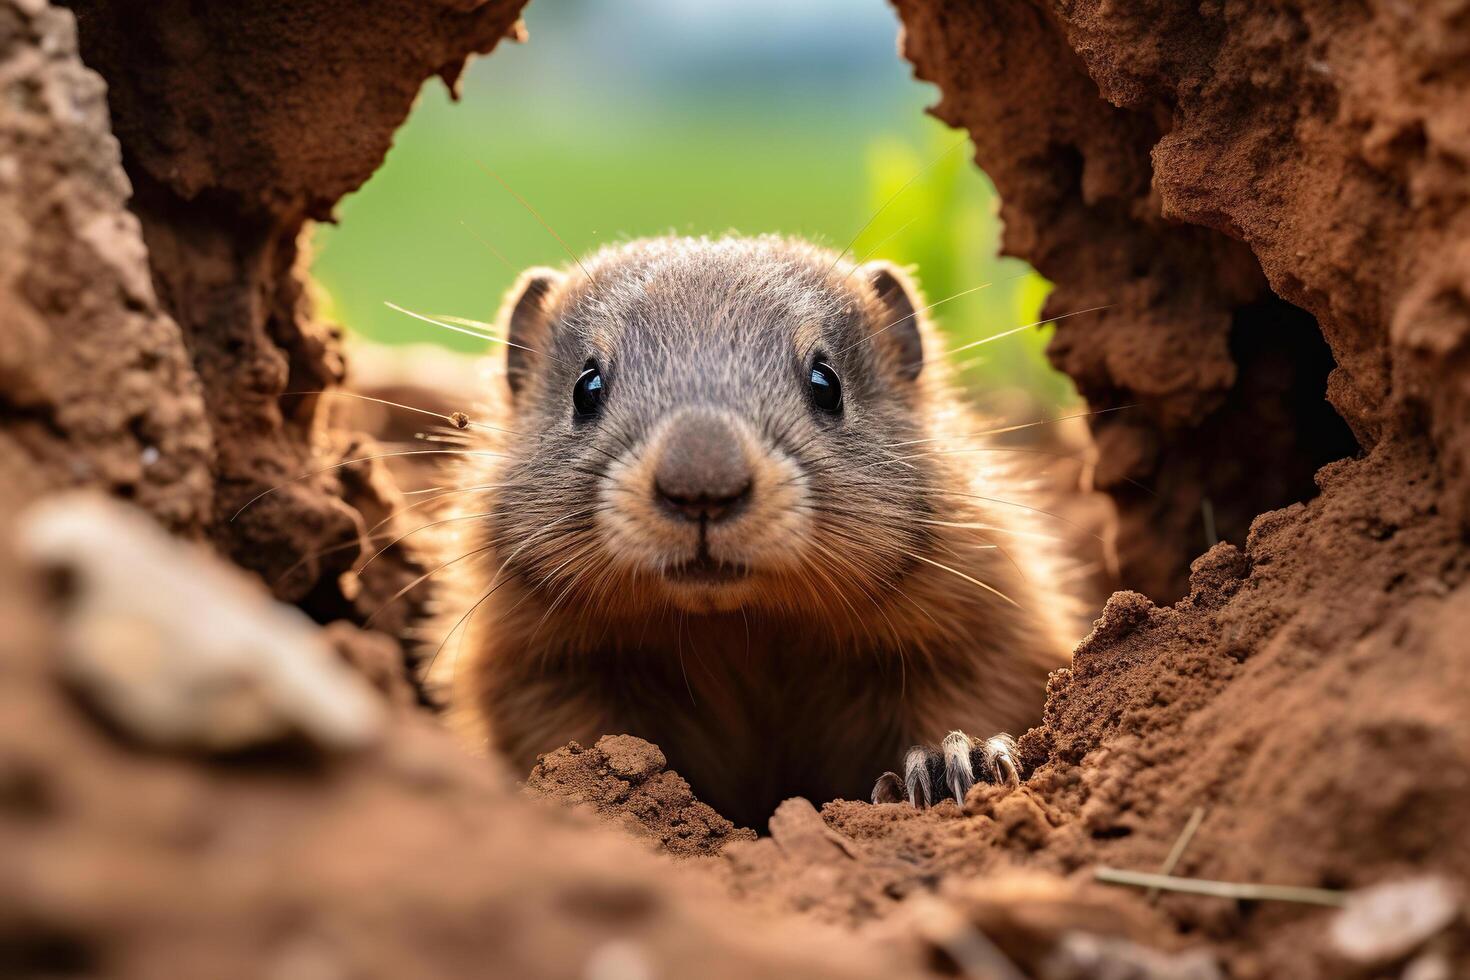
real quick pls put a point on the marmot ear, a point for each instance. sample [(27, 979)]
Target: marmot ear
[(896, 328), (526, 322)]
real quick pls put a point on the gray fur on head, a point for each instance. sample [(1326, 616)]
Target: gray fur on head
[(732, 327)]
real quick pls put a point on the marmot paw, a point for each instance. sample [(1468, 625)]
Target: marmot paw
[(947, 772)]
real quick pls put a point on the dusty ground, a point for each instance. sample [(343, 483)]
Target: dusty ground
[(1274, 202)]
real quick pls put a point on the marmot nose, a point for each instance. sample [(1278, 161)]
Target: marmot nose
[(702, 474)]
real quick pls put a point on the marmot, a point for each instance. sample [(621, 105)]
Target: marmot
[(728, 501)]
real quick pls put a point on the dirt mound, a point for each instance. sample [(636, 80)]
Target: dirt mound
[(274, 855), (1307, 695), (625, 779)]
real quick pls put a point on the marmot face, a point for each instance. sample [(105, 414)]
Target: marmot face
[(708, 442), (710, 426)]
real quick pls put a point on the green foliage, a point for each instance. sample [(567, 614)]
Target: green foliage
[(946, 228), (416, 234)]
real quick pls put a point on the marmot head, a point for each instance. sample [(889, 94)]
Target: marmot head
[(710, 425)]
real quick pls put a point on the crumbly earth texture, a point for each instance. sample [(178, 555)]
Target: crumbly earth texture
[(628, 779), (1271, 200)]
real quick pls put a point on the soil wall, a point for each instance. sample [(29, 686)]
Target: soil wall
[(238, 123), (1236, 181), (1275, 199)]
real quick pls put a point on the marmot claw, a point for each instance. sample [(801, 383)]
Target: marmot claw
[(932, 774)]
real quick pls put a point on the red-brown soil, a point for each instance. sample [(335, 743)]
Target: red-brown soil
[(1274, 203), (627, 779)]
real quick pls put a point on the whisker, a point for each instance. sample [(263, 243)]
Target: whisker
[(421, 527), (469, 332), (573, 580), (1025, 326), (459, 419), (442, 492), (372, 532), (598, 449), (967, 578), (500, 579), (360, 459), (495, 584), (419, 581), (925, 309), (540, 220), (1035, 510), (1015, 428), (679, 637), (834, 589), (465, 321), (987, 546), (1009, 449), (893, 197), (438, 323), (452, 438), (978, 526), (493, 250), (859, 260), (429, 664), (746, 620)]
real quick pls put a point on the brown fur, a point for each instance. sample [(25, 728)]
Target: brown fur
[(847, 642)]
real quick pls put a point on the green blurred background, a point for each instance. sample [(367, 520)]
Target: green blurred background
[(623, 118)]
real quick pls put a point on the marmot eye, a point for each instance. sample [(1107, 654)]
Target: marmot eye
[(588, 392), (826, 389)]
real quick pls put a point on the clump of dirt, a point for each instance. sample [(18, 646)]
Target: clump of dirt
[(627, 780)]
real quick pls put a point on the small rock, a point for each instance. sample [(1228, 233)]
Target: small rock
[(1385, 922), (619, 959), (1082, 956), (1029, 914), (801, 833), (180, 650), (1432, 965)]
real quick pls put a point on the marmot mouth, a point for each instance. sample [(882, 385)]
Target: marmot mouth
[(705, 570)]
